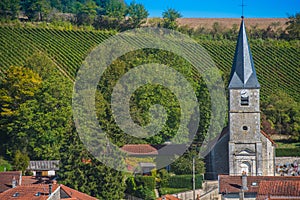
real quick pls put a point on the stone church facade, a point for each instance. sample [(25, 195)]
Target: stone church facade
[(242, 147)]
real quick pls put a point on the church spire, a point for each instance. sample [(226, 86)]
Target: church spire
[(243, 73)]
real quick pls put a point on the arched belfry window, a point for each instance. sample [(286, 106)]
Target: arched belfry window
[(244, 98)]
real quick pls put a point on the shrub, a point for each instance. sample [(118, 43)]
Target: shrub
[(185, 181), (146, 181), (141, 186), (293, 152)]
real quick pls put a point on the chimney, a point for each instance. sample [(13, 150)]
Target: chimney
[(50, 189), (244, 181), (13, 182)]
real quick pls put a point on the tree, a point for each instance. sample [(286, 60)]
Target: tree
[(19, 85), (281, 115), (170, 16), (137, 13), (20, 161), (86, 13), (293, 27), (9, 8), (36, 9), (83, 172), (115, 9), (184, 164)]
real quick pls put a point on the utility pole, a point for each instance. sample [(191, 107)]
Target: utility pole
[(194, 185)]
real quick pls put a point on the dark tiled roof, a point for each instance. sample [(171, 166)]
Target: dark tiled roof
[(76, 195), (6, 179), (243, 73), (43, 165), (232, 184), (28, 192)]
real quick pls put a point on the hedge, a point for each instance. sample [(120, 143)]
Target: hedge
[(287, 152), (147, 181), (185, 181)]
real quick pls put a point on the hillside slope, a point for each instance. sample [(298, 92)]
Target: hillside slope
[(277, 62)]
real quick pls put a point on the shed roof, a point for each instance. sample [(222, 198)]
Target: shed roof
[(43, 165)]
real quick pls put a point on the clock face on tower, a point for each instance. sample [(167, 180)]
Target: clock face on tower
[(244, 93)]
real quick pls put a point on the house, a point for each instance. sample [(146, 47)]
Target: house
[(43, 167), (10, 180), (148, 156), (50, 191), (259, 187), (242, 147), (15, 186)]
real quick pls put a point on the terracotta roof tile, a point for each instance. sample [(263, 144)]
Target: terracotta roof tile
[(279, 188), (28, 192), (6, 179), (26, 180), (76, 195), (232, 184), (149, 149), (138, 149)]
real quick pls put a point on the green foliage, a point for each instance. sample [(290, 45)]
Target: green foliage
[(282, 115), (86, 13), (9, 8), (170, 15), (293, 27), (36, 9), (20, 161), (137, 13), (141, 186), (4, 165), (115, 9), (146, 181), (185, 181), (184, 164), (287, 152), (79, 170)]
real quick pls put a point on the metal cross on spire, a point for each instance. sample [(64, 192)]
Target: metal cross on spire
[(243, 5)]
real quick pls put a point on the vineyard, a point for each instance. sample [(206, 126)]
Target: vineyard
[(277, 62)]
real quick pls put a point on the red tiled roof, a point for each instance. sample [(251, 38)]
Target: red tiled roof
[(6, 179), (76, 195), (26, 180), (232, 184), (139, 149), (28, 192), (168, 197), (279, 188), (151, 149)]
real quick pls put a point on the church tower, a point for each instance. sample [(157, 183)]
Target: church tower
[(245, 145), (242, 148)]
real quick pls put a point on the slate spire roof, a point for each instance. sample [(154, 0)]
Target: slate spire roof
[(243, 73)]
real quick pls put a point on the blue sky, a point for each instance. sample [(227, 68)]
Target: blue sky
[(223, 8)]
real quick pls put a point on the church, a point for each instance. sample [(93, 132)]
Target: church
[(242, 147)]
